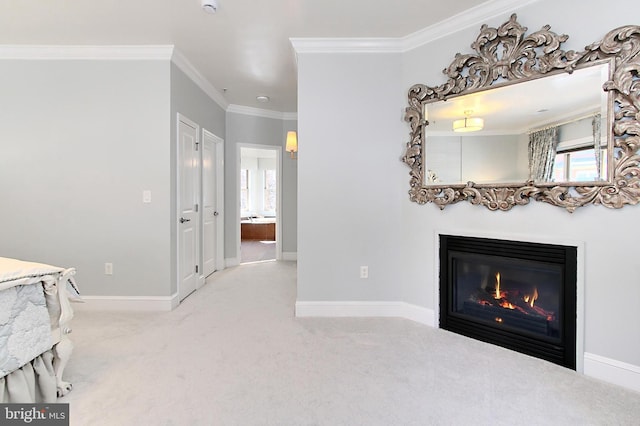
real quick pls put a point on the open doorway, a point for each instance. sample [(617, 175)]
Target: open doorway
[(259, 186)]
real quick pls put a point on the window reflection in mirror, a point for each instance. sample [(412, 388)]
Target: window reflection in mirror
[(576, 159), (575, 104), (579, 166)]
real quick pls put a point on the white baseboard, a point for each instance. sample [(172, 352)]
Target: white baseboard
[(200, 282), (127, 303), (366, 309), (419, 314), (290, 255), (231, 261), (612, 371)]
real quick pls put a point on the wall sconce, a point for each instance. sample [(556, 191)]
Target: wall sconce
[(468, 124), (292, 143)]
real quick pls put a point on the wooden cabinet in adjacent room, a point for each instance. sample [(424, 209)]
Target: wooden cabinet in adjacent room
[(258, 231)]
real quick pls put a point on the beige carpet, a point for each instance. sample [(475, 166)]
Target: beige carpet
[(233, 354), (257, 251)]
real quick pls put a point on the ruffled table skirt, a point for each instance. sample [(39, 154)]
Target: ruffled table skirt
[(35, 382)]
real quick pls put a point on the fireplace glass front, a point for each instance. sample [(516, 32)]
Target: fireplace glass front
[(518, 295)]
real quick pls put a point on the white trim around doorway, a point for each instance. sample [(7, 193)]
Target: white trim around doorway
[(278, 150)]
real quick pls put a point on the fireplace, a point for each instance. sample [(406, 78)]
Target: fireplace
[(515, 294)]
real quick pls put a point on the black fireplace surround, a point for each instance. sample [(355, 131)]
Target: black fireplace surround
[(515, 294)]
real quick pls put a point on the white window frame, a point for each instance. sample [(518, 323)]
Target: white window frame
[(566, 148)]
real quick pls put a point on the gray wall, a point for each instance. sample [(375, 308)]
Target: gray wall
[(349, 113), (79, 142), (351, 183), (289, 193), (193, 103), (250, 129), (459, 159)]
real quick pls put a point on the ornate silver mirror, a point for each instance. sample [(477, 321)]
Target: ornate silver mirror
[(520, 119)]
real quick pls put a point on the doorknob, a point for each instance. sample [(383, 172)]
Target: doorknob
[(183, 220), (216, 213)]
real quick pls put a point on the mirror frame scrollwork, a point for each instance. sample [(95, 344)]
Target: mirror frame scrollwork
[(506, 55)]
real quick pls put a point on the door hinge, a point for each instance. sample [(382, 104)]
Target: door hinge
[(196, 269), (196, 208)]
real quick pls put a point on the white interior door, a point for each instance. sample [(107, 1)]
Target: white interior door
[(187, 208), (210, 211)]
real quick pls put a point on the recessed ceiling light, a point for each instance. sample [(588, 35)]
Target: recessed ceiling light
[(262, 99)]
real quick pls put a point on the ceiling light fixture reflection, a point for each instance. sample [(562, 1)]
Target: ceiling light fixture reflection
[(468, 123)]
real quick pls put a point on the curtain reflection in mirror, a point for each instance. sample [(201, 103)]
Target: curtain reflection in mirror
[(595, 124), (542, 154)]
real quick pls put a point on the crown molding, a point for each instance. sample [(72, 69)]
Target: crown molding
[(476, 15), (346, 45), (111, 53), (187, 67), (50, 52), (258, 112), (470, 17)]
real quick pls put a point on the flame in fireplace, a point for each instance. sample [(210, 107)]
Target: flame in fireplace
[(500, 296), (497, 296), (512, 296), (507, 305), (531, 298)]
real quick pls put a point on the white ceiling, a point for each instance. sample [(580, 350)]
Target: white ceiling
[(243, 48), (542, 102)]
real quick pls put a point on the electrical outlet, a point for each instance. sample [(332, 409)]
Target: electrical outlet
[(108, 268), (364, 272)]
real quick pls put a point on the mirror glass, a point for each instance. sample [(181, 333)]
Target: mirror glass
[(575, 104)]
